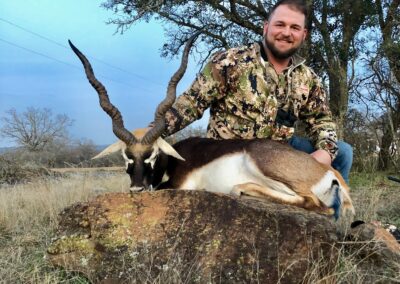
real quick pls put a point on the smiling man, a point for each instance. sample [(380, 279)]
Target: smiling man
[(261, 90)]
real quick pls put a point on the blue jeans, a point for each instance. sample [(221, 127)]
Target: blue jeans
[(342, 162)]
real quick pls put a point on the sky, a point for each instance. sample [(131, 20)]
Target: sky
[(38, 69)]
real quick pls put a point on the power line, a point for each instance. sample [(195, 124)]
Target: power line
[(66, 47), (33, 33), (66, 63), (38, 53)]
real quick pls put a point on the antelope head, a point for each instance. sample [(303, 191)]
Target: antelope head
[(144, 151)]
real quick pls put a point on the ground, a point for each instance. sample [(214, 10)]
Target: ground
[(29, 217)]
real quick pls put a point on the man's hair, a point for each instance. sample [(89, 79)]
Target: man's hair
[(297, 5)]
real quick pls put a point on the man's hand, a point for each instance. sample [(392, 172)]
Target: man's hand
[(322, 156)]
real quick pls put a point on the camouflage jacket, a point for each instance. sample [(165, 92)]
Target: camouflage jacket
[(248, 99)]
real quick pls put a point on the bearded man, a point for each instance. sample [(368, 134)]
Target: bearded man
[(261, 90)]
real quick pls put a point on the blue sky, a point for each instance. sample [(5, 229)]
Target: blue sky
[(38, 69)]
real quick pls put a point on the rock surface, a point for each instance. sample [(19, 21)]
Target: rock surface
[(372, 240), (190, 236)]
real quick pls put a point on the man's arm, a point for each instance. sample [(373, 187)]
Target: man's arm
[(208, 86), (320, 126)]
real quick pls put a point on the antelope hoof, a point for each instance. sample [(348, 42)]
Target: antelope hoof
[(236, 191)]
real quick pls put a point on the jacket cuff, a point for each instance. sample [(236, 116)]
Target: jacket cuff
[(330, 146)]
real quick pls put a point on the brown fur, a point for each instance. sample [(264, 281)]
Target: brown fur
[(277, 161)]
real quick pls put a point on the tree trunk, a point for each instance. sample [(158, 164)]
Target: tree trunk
[(338, 92), (384, 153)]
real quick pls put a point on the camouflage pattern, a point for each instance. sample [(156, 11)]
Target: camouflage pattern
[(248, 99)]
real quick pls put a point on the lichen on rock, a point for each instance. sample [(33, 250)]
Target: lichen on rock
[(199, 235)]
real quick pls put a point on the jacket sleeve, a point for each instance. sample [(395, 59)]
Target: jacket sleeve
[(208, 86), (320, 126)]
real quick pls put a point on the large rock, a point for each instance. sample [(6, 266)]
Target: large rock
[(190, 236), (374, 243)]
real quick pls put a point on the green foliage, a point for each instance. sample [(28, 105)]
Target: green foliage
[(376, 197), (226, 24)]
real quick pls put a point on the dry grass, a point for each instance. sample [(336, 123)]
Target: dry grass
[(356, 264), (375, 198), (29, 216)]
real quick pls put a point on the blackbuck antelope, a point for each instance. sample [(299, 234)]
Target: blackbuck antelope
[(259, 167)]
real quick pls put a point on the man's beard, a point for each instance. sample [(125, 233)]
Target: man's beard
[(280, 54)]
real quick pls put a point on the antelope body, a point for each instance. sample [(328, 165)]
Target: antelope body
[(257, 167)]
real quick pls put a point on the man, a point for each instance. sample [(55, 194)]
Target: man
[(259, 91)]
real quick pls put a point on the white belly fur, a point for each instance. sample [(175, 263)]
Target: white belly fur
[(222, 174)]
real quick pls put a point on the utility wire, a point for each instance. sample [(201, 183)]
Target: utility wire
[(33, 33), (66, 63), (66, 47), (40, 54)]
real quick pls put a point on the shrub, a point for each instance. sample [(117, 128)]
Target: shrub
[(14, 171)]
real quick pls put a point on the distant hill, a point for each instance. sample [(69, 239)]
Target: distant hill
[(6, 149), (99, 148)]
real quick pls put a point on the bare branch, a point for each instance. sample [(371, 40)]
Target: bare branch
[(34, 128)]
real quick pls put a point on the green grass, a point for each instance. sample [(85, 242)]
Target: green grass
[(376, 197)]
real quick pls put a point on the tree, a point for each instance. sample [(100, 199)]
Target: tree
[(35, 128), (224, 23), (389, 22), (388, 90), (379, 89), (336, 47), (379, 94), (332, 45), (384, 92), (363, 134)]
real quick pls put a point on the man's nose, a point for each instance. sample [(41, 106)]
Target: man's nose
[(286, 31)]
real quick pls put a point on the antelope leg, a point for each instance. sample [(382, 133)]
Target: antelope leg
[(256, 190)]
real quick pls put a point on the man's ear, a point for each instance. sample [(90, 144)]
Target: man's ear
[(305, 34), (265, 28), (111, 149)]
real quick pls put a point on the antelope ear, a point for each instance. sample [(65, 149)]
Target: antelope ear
[(168, 149), (110, 149)]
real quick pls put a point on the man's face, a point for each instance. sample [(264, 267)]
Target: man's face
[(285, 32)]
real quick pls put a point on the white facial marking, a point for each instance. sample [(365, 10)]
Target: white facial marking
[(127, 160), (135, 189), (153, 157), (165, 177)]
